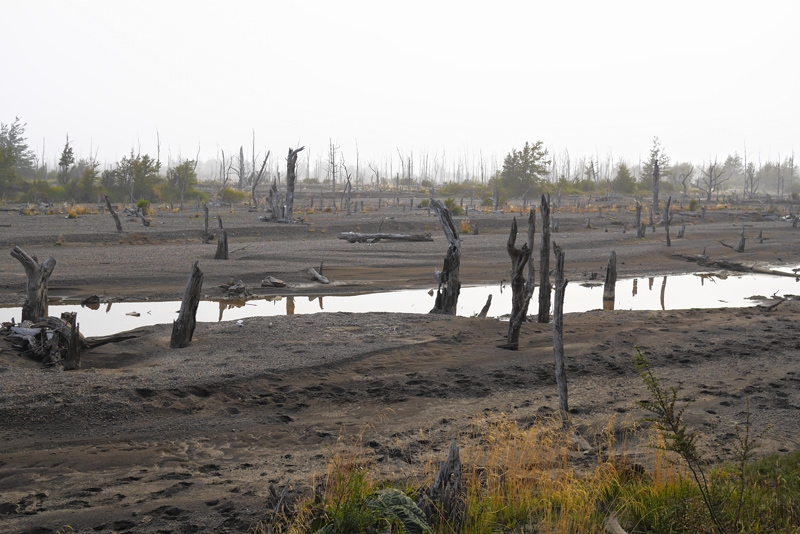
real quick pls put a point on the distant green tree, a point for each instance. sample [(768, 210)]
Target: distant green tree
[(82, 184), (624, 181), (15, 156), (64, 163), (134, 177), (182, 178), (656, 154), (523, 171)]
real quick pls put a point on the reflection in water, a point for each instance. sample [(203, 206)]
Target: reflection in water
[(686, 291), (608, 304), (650, 283), (91, 305)]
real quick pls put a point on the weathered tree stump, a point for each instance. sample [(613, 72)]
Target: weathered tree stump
[(446, 499), (113, 214), (222, 242), (449, 283), (637, 222), (72, 359), (206, 235), (485, 310), (544, 264), (291, 178), (183, 326), (35, 305), (682, 231), (558, 333), (521, 286), (609, 287), (740, 244)]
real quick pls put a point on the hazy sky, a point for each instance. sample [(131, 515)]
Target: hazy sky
[(593, 77)]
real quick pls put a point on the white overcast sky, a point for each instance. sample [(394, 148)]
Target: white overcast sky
[(591, 77)]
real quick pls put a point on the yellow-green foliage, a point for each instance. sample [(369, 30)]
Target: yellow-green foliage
[(232, 195)]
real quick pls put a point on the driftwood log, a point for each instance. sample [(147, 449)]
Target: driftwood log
[(317, 276), (113, 214), (446, 499), (35, 305), (449, 283), (558, 333), (522, 285), (183, 327), (706, 261), (355, 237), (544, 264)]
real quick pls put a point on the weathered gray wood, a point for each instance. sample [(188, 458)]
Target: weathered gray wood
[(609, 287), (702, 259), (72, 358), (113, 214), (183, 327), (656, 177), (740, 244), (544, 264), (485, 309), (206, 235), (448, 277), (357, 237), (668, 219), (291, 178), (271, 281), (521, 286), (35, 305), (682, 231), (313, 272), (222, 242), (558, 333), (637, 222), (446, 499)]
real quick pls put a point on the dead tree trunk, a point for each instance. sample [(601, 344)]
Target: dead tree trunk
[(222, 242), (291, 178), (485, 310), (257, 180), (183, 326), (113, 214), (449, 283), (740, 244), (36, 290), (668, 219), (609, 288), (640, 226), (521, 286), (72, 360), (682, 231), (558, 333), (544, 264), (445, 499), (206, 235), (656, 178)]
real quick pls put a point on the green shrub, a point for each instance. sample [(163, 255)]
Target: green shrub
[(143, 205), (232, 196), (694, 204), (454, 208)]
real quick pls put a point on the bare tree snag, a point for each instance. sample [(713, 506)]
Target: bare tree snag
[(206, 236), (356, 237), (446, 498), (668, 219), (222, 242), (558, 333), (638, 224), (257, 179), (609, 288), (449, 283), (113, 214), (740, 244), (36, 290), (682, 231), (72, 359), (544, 264), (291, 178), (655, 185), (183, 326), (521, 286)]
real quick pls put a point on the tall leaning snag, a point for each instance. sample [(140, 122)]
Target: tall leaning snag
[(36, 288), (449, 283), (521, 286), (183, 326)]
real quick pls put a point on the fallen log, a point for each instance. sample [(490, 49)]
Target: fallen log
[(706, 261), (357, 237), (313, 272), (271, 281)]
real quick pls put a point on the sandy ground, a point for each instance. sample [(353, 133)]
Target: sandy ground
[(148, 439)]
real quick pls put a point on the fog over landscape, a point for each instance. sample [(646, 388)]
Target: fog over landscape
[(594, 79)]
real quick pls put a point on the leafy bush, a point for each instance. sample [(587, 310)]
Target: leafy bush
[(454, 208), (143, 205), (232, 196), (694, 204)]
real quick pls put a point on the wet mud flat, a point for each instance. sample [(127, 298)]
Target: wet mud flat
[(148, 439)]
